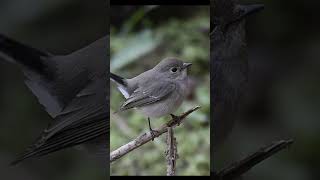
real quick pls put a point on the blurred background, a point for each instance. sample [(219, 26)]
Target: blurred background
[(140, 37), (284, 96), (59, 27)]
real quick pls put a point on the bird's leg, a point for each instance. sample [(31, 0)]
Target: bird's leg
[(151, 130)]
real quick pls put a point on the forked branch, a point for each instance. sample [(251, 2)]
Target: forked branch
[(147, 136)]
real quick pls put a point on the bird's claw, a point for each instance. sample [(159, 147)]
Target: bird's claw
[(152, 132), (175, 119)]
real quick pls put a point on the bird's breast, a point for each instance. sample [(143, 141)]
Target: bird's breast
[(164, 107)]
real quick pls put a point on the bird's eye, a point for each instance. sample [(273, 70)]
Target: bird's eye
[(174, 69)]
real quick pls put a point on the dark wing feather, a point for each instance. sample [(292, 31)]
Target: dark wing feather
[(85, 119), (145, 95), (68, 138), (55, 80)]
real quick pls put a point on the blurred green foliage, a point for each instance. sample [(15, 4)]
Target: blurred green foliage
[(133, 51)]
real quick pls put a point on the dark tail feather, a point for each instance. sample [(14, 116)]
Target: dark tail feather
[(118, 79), (21, 54), (67, 139), (72, 137)]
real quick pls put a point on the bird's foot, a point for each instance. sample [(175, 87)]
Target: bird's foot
[(175, 119), (152, 132)]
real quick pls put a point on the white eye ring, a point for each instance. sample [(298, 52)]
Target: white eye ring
[(174, 69)]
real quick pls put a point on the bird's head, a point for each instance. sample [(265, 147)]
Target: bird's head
[(172, 68), (228, 14)]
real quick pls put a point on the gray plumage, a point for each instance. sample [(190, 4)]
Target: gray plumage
[(156, 92), (72, 88)]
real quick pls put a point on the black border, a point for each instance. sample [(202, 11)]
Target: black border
[(159, 2)]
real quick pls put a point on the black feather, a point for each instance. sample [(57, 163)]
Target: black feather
[(27, 56), (68, 138), (118, 79)]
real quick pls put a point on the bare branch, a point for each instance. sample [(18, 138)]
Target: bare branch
[(238, 168), (147, 136), (171, 152)]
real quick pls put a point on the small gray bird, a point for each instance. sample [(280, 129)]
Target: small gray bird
[(156, 92), (73, 90)]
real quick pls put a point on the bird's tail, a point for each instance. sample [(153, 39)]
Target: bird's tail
[(28, 57), (122, 84), (119, 80)]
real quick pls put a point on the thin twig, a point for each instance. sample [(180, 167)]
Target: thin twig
[(236, 169), (147, 136), (171, 152)]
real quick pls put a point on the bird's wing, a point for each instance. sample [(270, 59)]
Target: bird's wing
[(145, 95), (55, 94), (76, 70), (38, 68), (84, 119), (56, 80), (72, 73)]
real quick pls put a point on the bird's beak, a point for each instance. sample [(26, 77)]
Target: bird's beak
[(186, 65), (250, 9), (246, 10)]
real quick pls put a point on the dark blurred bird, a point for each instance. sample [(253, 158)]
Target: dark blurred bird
[(73, 90), (229, 64)]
